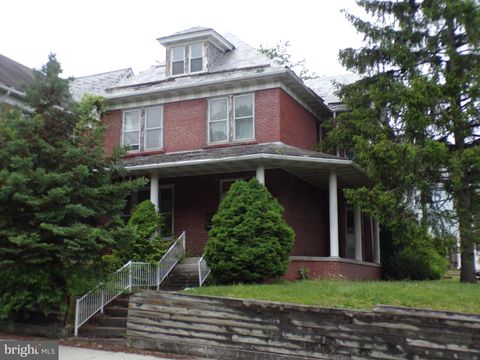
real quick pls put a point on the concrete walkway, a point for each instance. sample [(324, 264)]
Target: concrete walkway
[(76, 353)]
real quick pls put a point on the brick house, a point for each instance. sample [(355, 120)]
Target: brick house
[(216, 111)]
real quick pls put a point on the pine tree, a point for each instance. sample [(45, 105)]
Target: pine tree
[(60, 198), (414, 122)]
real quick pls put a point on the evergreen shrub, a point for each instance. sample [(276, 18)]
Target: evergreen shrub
[(249, 241)]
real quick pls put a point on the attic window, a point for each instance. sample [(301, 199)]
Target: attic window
[(196, 58), (178, 60)]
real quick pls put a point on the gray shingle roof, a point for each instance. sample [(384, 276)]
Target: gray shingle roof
[(192, 29), (325, 88), (96, 84), (226, 152), (14, 74), (243, 59)]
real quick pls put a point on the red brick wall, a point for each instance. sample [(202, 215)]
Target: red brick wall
[(298, 126), (267, 115), (185, 125), (333, 269), (113, 129), (196, 198), (278, 117), (306, 211)]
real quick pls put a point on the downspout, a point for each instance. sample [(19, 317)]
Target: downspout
[(334, 120)]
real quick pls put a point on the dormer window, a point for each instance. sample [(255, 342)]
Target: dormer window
[(196, 58), (178, 60), (193, 54), (193, 51)]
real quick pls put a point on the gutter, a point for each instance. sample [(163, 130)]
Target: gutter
[(11, 91)]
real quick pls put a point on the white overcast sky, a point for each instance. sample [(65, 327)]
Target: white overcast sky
[(94, 36)]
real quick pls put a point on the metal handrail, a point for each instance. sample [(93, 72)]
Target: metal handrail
[(132, 274), (203, 270)]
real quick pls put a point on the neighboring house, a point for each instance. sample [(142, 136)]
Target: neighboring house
[(13, 79), (217, 111)]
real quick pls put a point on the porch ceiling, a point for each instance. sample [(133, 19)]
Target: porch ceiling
[(312, 170)]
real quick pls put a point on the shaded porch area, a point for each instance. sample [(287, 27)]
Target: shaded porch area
[(332, 239)]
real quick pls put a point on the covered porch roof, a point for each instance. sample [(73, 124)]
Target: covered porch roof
[(311, 166)]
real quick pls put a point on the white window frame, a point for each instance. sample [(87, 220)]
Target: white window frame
[(190, 58), (243, 117), (184, 60), (139, 128), (145, 129), (227, 120), (168, 186)]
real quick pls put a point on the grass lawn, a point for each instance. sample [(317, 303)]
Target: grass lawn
[(440, 295)]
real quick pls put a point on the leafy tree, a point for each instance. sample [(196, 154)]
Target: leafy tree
[(249, 240), (414, 123), (60, 198), (280, 54)]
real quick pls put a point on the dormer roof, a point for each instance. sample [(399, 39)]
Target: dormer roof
[(197, 33)]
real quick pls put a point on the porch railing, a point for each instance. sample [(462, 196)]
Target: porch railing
[(203, 271), (132, 274)]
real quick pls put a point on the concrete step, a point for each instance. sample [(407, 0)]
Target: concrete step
[(185, 269), (116, 311), (102, 331), (190, 260), (120, 302), (183, 276), (105, 320)]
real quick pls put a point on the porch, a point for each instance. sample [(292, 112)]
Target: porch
[(333, 239)]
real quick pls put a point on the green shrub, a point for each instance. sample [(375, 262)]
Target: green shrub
[(145, 219), (249, 240), (419, 262), (139, 240), (417, 259)]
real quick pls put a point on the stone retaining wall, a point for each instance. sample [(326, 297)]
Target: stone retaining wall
[(223, 328)]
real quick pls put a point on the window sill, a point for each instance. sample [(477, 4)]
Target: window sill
[(230, 144), (143, 153)]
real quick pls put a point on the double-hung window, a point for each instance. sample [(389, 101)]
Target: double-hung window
[(243, 117), (196, 58), (131, 129), (218, 120), (143, 128), (153, 128), (178, 60), (231, 112)]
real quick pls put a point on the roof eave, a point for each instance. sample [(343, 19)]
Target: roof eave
[(210, 34), (261, 156)]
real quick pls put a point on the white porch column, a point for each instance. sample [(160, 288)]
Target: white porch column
[(154, 190), (333, 211), (261, 174), (357, 224), (376, 243)]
